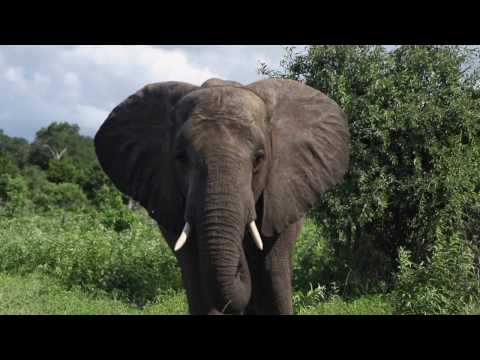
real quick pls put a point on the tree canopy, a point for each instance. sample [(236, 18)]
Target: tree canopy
[(60, 140)]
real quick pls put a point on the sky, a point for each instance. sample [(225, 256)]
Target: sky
[(81, 84)]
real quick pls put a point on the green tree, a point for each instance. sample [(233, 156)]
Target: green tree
[(65, 170), (414, 175), (446, 283), (59, 140), (36, 179), (17, 196), (14, 147), (68, 157), (8, 165), (93, 180)]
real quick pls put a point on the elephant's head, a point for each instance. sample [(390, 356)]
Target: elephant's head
[(220, 158)]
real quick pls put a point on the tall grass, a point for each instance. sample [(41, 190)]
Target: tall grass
[(78, 249), (63, 262), (75, 263)]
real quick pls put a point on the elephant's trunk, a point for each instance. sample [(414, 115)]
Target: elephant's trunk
[(222, 259)]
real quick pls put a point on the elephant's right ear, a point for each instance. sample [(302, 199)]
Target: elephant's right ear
[(134, 147)]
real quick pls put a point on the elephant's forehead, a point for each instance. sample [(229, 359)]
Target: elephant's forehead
[(226, 104)]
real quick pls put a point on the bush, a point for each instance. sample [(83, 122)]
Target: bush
[(36, 179), (136, 265), (8, 165), (317, 301), (414, 116), (64, 195), (114, 214), (313, 260), (307, 300), (445, 284), (16, 194), (93, 181), (64, 171)]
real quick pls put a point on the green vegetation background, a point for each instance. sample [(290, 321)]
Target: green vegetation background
[(399, 236)]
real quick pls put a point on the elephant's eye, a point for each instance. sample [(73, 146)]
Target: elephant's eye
[(257, 162)]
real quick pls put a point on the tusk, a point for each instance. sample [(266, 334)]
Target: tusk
[(256, 235), (182, 239)]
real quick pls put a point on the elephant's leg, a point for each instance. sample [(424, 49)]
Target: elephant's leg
[(276, 296)]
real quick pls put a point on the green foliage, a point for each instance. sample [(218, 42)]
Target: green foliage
[(8, 165), (36, 179), (39, 294), (16, 193), (114, 214), (59, 140), (445, 284), (136, 265), (7, 170), (365, 305), (67, 156), (17, 149), (313, 260), (321, 301), (414, 118), (64, 170), (311, 298), (93, 180), (64, 195)]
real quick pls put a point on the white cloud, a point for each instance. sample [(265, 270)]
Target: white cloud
[(237, 62), (139, 61), (15, 76), (82, 84), (90, 115)]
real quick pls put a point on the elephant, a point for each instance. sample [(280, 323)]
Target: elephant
[(229, 172)]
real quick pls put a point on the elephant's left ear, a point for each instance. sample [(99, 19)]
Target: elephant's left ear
[(310, 149)]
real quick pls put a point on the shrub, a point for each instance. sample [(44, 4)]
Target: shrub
[(324, 301), (8, 165), (64, 170), (365, 305), (16, 194), (444, 284), (36, 179), (114, 214), (307, 300), (136, 265), (64, 195), (313, 260), (93, 181)]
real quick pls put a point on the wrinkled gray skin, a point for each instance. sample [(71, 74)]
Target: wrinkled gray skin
[(220, 156)]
